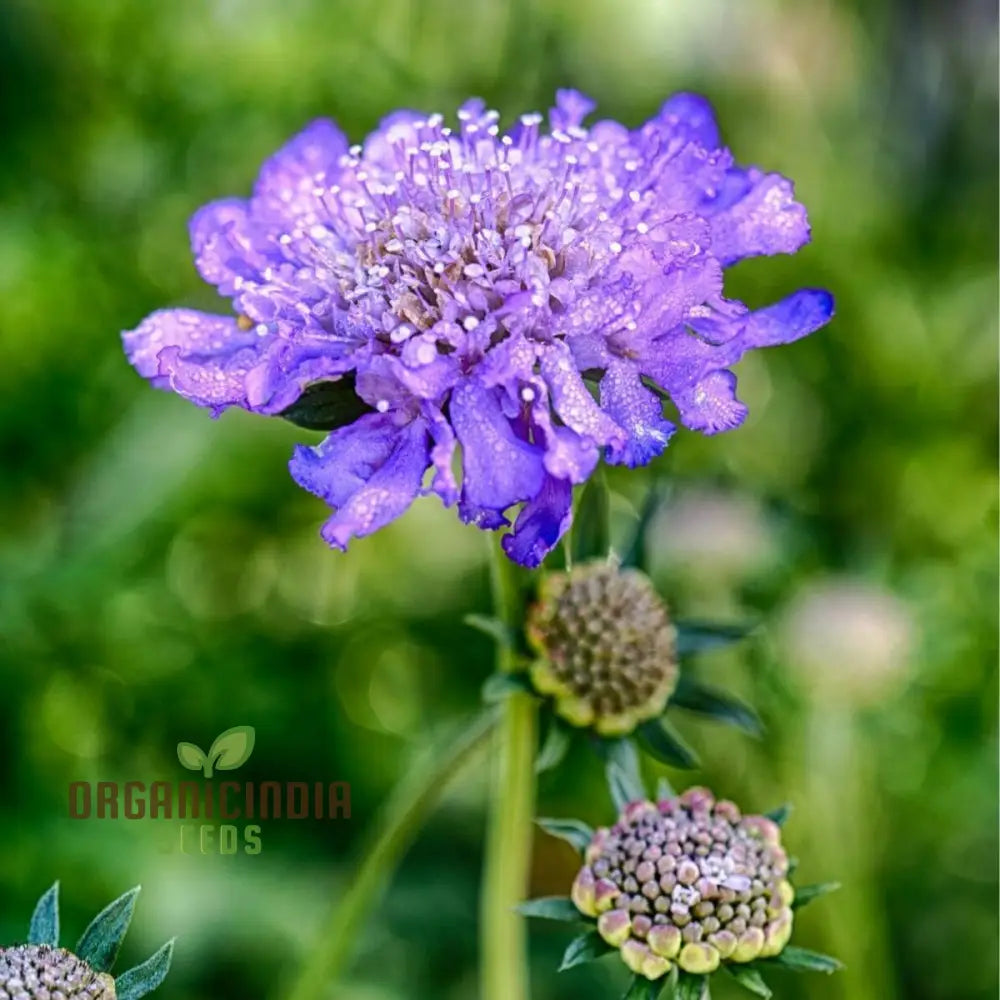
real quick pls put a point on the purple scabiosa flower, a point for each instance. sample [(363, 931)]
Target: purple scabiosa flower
[(524, 299)]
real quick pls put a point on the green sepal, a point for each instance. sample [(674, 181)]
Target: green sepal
[(102, 939), (664, 790), (691, 987), (496, 687), (621, 768), (497, 630), (557, 742), (803, 960), (584, 948), (749, 978), (44, 928), (576, 833), (697, 637), (666, 744), (695, 696), (552, 908), (635, 552), (145, 978), (642, 988), (327, 405), (591, 533), (804, 895), (780, 814)]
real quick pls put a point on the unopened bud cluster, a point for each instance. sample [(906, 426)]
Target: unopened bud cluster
[(41, 972), (606, 647), (687, 881)]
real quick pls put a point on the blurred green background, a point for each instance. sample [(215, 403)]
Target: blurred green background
[(162, 579)]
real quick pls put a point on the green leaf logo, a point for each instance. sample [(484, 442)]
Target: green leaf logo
[(229, 751)]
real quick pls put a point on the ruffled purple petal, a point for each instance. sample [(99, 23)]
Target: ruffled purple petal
[(203, 357), (571, 400), (691, 117), (638, 411), (499, 468), (694, 372), (756, 214), (370, 472), (541, 523), (286, 185)]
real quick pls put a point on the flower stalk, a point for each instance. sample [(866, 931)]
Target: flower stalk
[(504, 959), (401, 819)]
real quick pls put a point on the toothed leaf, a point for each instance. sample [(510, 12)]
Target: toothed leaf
[(697, 637), (573, 831), (103, 938), (44, 927), (703, 699), (807, 893), (590, 532), (552, 908), (145, 978), (500, 633), (557, 741), (804, 960), (585, 948), (750, 979), (781, 814), (666, 744), (499, 686)]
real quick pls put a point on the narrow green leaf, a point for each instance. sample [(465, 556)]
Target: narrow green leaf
[(585, 948), (552, 908), (697, 637), (642, 988), (664, 790), (804, 960), (557, 741), (623, 771), (500, 633), (573, 831), (693, 695), (691, 987), (750, 979), (781, 814), (103, 937), (666, 744), (145, 978), (590, 538), (804, 895), (635, 551), (496, 687), (44, 927)]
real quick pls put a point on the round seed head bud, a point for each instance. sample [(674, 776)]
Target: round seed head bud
[(40, 972), (723, 895), (606, 647)]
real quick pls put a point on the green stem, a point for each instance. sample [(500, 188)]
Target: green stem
[(397, 825), (509, 836)]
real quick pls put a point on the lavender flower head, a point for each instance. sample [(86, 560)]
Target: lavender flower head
[(525, 299)]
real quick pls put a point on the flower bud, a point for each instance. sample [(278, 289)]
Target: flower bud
[(692, 882), (606, 648), (33, 972)]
